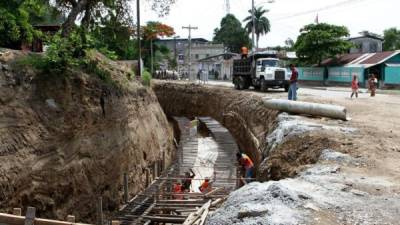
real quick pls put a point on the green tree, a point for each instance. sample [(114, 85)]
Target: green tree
[(392, 39), (262, 24), (231, 34), (320, 41), (93, 10), (16, 21)]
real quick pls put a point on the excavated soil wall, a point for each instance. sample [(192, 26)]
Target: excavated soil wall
[(243, 114), (59, 152)]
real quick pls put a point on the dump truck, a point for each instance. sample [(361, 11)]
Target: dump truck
[(261, 71)]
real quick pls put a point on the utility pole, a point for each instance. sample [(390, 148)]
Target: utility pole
[(227, 6), (138, 37), (190, 28), (253, 19)]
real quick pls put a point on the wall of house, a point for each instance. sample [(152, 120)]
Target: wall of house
[(345, 74), (392, 75), (392, 70), (311, 73)]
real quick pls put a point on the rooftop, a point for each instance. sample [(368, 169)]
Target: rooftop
[(360, 60)]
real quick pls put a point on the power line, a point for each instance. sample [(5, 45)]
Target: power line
[(339, 4)]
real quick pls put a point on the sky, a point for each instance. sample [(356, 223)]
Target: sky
[(286, 16)]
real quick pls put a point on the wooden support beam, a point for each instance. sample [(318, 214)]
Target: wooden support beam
[(201, 201), (214, 191), (19, 220), (17, 211), (193, 217), (168, 215), (71, 218), (165, 219), (178, 205)]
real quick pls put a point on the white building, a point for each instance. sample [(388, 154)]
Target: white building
[(367, 43)]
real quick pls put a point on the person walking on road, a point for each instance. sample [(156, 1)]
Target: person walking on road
[(372, 82), (354, 87), (292, 95)]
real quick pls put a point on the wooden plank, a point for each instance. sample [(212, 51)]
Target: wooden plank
[(214, 191), (19, 220), (193, 217), (201, 201), (165, 219)]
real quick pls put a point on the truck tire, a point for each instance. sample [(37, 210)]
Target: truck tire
[(263, 85), (241, 83), (247, 83), (286, 88), (236, 83)]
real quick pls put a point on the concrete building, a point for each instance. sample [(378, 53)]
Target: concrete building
[(177, 46), (201, 51), (367, 43), (218, 67), (201, 48)]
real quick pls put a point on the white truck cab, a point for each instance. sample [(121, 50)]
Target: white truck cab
[(271, 73), (262, 71)]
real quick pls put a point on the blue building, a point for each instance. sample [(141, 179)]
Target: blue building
[(341, 69)]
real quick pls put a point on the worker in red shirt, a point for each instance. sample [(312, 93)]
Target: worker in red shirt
[(245, 161), (292, 95)]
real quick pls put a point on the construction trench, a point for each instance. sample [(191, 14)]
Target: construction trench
[(209, 155)]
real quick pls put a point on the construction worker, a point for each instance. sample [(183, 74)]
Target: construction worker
[(177, 189), (206, 186), (245, 52), (187, 182), (245, 161)]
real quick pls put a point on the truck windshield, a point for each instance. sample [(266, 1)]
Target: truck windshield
[(269, 63)]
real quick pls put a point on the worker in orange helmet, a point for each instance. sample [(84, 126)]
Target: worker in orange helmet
[(245, 52), (245, 161)]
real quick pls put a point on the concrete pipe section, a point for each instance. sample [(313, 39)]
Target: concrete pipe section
[(314, 109)]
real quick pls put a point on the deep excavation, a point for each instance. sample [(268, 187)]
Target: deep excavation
[(66, 141)]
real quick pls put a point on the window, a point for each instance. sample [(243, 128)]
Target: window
[(197, 56), (268, 63)]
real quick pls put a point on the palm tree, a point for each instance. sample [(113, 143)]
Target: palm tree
[(262, 25)]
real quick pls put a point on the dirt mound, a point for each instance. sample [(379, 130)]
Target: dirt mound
[(60, 151), (290, 157)]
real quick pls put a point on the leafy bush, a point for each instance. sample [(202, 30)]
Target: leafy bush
[(146, 78)]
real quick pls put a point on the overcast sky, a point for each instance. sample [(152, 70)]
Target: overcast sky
[(286, 16)]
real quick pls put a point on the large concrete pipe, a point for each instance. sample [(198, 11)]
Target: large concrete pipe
[(314, 109)]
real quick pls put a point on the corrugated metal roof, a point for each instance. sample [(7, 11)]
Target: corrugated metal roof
[(378, 57), (341, 60), (360, 60)]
